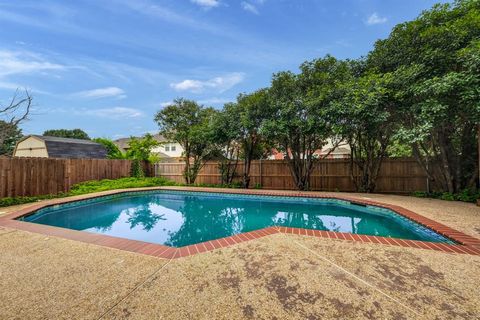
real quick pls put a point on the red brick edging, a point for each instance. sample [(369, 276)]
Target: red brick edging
[(468, 244)]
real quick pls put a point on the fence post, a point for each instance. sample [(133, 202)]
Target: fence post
[(67, 173), (261, 172)]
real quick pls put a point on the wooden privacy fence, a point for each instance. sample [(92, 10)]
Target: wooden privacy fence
[(398, 175), (40, 176)]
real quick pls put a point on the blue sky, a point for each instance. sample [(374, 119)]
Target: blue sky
[(106, 66)]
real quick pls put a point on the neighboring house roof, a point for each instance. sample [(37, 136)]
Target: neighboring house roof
[(162, 155), (342, 151), (338, 150), (71, 148), (123, 143)]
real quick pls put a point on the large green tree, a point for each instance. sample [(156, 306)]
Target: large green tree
[(303, 121), (187, 123), (251, 111), (226, 136), (368, 121), (435, 62), (67, 133)]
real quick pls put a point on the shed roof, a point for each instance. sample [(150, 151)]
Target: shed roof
[(72, 148)]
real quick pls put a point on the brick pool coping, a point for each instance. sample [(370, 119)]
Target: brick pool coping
[(467, 244)]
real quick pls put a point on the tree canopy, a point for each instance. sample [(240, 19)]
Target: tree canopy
[(67, 133), (251, 112), (226, 134), (435, 63), (113, 152), (303, 121), (416, 93), (187, 123)]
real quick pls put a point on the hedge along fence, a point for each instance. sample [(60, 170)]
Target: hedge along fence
[(41, 176), (397, 175)]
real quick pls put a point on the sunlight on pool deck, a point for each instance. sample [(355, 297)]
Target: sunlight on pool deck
[(285, 276)]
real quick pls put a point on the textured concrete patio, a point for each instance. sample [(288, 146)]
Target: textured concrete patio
[(279, 276)]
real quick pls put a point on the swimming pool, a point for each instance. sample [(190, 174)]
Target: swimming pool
[(181, 218)]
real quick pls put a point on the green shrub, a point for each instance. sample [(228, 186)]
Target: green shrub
[(123, 183), (113, 152), (12, 201), (466, 195), (93, 186), (137, 169)]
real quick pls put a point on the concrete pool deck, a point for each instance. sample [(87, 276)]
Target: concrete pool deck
[(282, 276)]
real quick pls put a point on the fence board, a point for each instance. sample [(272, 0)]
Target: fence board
[(399, 175), (36, 176), (39, 176)]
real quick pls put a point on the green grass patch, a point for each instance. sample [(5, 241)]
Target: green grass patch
[(124, 183), (91, 187), (12, 201), (107, 184)]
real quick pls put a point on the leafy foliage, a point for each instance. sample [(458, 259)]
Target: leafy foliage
[(303, 120), (416, 93), (141, 148), (66, 133), (123, 183), (368, 121), (435, 63), (113, 152), (187, 123), (140, 151), (91, 187), (226, 133), (12, 201), (137, 169), (466, 195), (10, 134), (251, 111)]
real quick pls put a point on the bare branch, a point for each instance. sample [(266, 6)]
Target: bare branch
[(18, 109)]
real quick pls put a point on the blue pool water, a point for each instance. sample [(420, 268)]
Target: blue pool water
[(177, 218)]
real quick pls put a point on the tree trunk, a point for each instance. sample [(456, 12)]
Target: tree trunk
[(246, 173), (445, 164), (186, 172)]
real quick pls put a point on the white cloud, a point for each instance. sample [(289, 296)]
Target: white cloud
[(24, 63), (16, 62), (219, 84), (207, 3), (12, 86), (215, 101), (165, 104), (249, 7), (9, 85), (112, 113), (374, 18), (210, 101), (102, 93)]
